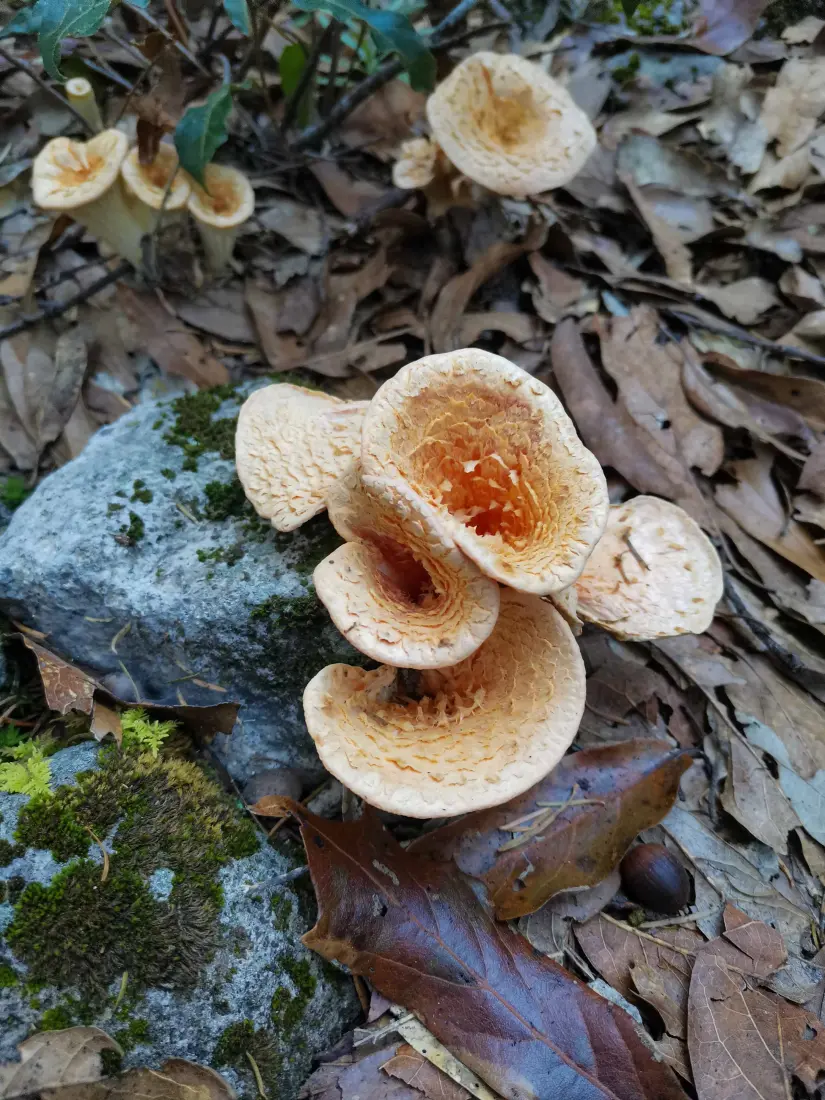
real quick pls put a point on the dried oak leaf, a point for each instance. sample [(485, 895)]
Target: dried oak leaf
[(632, 784), (610, 431), (417, 928), (51, 1059)]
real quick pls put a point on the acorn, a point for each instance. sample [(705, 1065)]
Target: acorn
[(655, 878)]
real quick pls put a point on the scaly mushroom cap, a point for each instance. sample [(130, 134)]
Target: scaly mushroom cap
[(415, 166), (474, 735), (400, 590), (509, 126), (148, 182), (228, 200), (653, 574), (494, 452), (291, 446), (67, 174)]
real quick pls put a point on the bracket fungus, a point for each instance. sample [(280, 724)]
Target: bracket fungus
[(291, 446), (150, 187), (399, 589), (493, 451), (464, 738), (219, 210), (653, 574), (81, 178), (503, 122)]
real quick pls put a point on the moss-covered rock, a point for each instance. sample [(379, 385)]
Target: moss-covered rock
[(149, 528), (179, 941)]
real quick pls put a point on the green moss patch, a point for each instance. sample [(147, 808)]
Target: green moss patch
[(82, 930), (196, 429), (242, 1040)]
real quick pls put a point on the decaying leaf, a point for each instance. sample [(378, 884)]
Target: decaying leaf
[(56, 1059), (67, 688), (755, 799), (625, 788), (418, 929)]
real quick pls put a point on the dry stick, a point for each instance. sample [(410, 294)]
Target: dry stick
[(55, 310), (382, 75), (728, 329), (179, 46), (24, 67), (335, 56)]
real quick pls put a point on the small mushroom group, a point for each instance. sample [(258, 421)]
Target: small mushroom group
[(102, 184), (477, 529), (502, 122)]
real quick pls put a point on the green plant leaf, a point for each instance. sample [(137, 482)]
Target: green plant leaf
[(629, 7), (27, 21), (291, 65), (201, 131), (238, 12), (391, 31), (140, 730), (30, 774), (61, 19)]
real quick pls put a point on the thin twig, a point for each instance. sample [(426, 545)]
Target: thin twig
[(689, 918), (47, 313), (259, 1081), (726, 328), (646, 936), (184, 51), (335, 56), (540, 824), (24, 67), (382, 75)]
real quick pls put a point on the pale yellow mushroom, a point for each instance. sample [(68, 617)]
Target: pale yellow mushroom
[(493, 451), (291, 446), (81, 178), (81, 95), (654, 573), (457, 739), (399, 589), (220, 210), (415, 166), (150, 187), (506, 124)]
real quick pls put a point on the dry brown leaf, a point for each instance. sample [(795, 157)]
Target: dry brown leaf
[(521, 327), (754, 798), (452, 301), (669, 244), (700, 659), (174, 348), (385, 120), (609, 430), (23, 237), (788, 172), (305, 227), (218, 311), (744, 301), (77, 431), (746, 1043), (648, 375), (725, 25), (792, 106), (557, 294), (755, 504), (805, 396), (14, 439), (803, 289), (51, 1059), (813, 472), (414, 1069), (806, 30), (348, 195)]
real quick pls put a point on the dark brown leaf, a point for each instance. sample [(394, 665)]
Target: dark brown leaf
[(357, 1073), (420, 933), (608, 428), (414, 1069), (633, 785)]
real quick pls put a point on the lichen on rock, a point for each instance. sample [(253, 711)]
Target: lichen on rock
[(181, 941)]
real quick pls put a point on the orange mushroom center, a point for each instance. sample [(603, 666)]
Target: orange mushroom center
[(222, 197), (469, 452), (77, 166), (401, 574), (158, 173), (510, 118)]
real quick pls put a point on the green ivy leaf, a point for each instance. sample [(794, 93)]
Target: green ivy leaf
[(391, 31), (238, 12), (629, 7), (291, 65), (61, 19), (27, 21), (201, 131)]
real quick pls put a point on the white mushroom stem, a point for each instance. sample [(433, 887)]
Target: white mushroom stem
[(218, 244), (110, 219), (81, 95)]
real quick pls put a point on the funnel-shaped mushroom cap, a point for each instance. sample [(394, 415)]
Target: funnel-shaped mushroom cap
[(415, 166), (67, 174), (227, 201), (653, 574), (494, 452), (509, 126), (475, 735), (291, 446), (400, 590), (149, 182)]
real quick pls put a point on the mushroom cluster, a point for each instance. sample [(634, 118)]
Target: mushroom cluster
[(477, 530), (103, 184), (501, 122)]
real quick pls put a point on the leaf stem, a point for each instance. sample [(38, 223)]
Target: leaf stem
[(307, 76)]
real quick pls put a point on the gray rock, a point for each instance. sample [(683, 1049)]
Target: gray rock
[(150, 571), (246, 984)]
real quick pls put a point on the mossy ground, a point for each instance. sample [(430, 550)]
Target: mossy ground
[(85, 932)]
